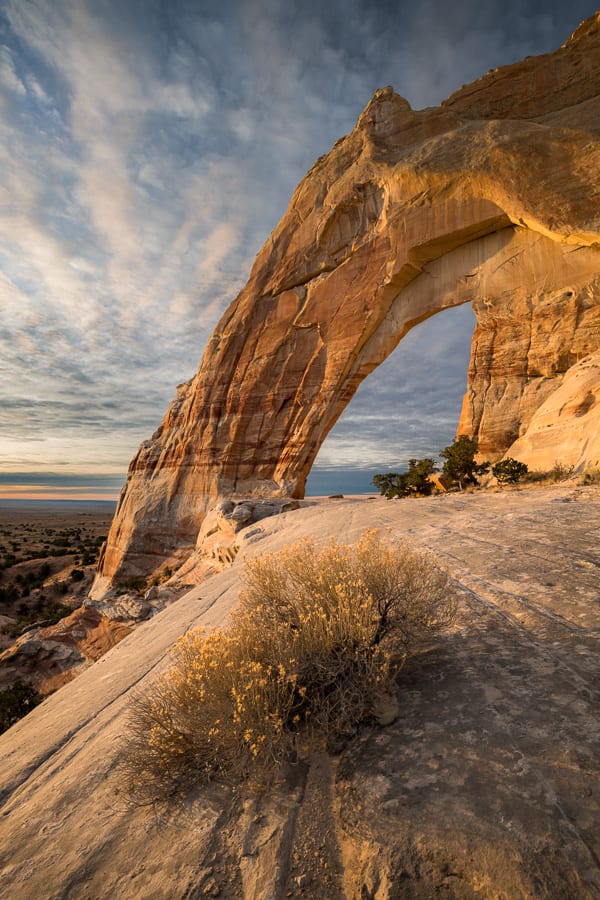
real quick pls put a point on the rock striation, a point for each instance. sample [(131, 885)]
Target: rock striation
[(493, 198)]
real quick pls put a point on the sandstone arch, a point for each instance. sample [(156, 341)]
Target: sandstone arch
[(492, 198)]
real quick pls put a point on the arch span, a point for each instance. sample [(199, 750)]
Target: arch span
[(409, 214)]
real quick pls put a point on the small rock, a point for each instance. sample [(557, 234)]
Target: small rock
[(387, 709)]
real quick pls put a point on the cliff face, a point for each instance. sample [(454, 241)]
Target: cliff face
[(493, 198)]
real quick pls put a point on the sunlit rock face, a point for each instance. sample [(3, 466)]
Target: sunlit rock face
[(565, 429), (493, 198)]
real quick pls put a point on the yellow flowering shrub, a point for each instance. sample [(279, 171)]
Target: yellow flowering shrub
[(317, 640)]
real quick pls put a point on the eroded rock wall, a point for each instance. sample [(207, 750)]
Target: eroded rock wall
[(492, 198)]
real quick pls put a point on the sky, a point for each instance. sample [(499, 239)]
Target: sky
[(147, 150)]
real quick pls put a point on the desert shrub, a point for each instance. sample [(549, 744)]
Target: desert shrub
[(509, 470), (387, 484), (53, 611), (592, 477), (559, 472), (535, 477), (15, 702), (136, 584), (9, 594), (316, 642), (162, 576), (43, 613), (460, 467), (415, 482), (77, 575)]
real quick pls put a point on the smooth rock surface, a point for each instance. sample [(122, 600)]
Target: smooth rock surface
[(484, 786), (493, 198), (566, 427)]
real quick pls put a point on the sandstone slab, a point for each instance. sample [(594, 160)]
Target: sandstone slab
[(484, 786), (566, 427)]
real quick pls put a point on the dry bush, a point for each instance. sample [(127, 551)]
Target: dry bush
[(317, 640), (560, 472), (557, 473), (213, 712), (592, 477)]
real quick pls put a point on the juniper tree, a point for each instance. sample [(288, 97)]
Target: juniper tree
[(460, 467)]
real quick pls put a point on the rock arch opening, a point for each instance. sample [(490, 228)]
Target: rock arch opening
[(408, 407)]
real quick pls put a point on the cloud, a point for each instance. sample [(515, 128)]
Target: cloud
[(148, 149), (9, 80)]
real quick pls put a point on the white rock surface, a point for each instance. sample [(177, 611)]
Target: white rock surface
[(566, 427)]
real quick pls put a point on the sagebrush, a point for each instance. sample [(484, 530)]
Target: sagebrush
[(559, 472), (317, 640)]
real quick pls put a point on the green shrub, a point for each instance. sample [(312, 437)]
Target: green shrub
[(460, 467), (15, 702), (414, 483), (43, 613), (53, 611), (315, 644), (509, 470), (9, 594)]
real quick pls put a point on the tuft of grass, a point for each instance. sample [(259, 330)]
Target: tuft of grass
[(315, 644)]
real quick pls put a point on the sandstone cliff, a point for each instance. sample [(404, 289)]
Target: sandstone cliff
[(493, 198)]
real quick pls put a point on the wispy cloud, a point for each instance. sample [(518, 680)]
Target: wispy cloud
[(147, 150)]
